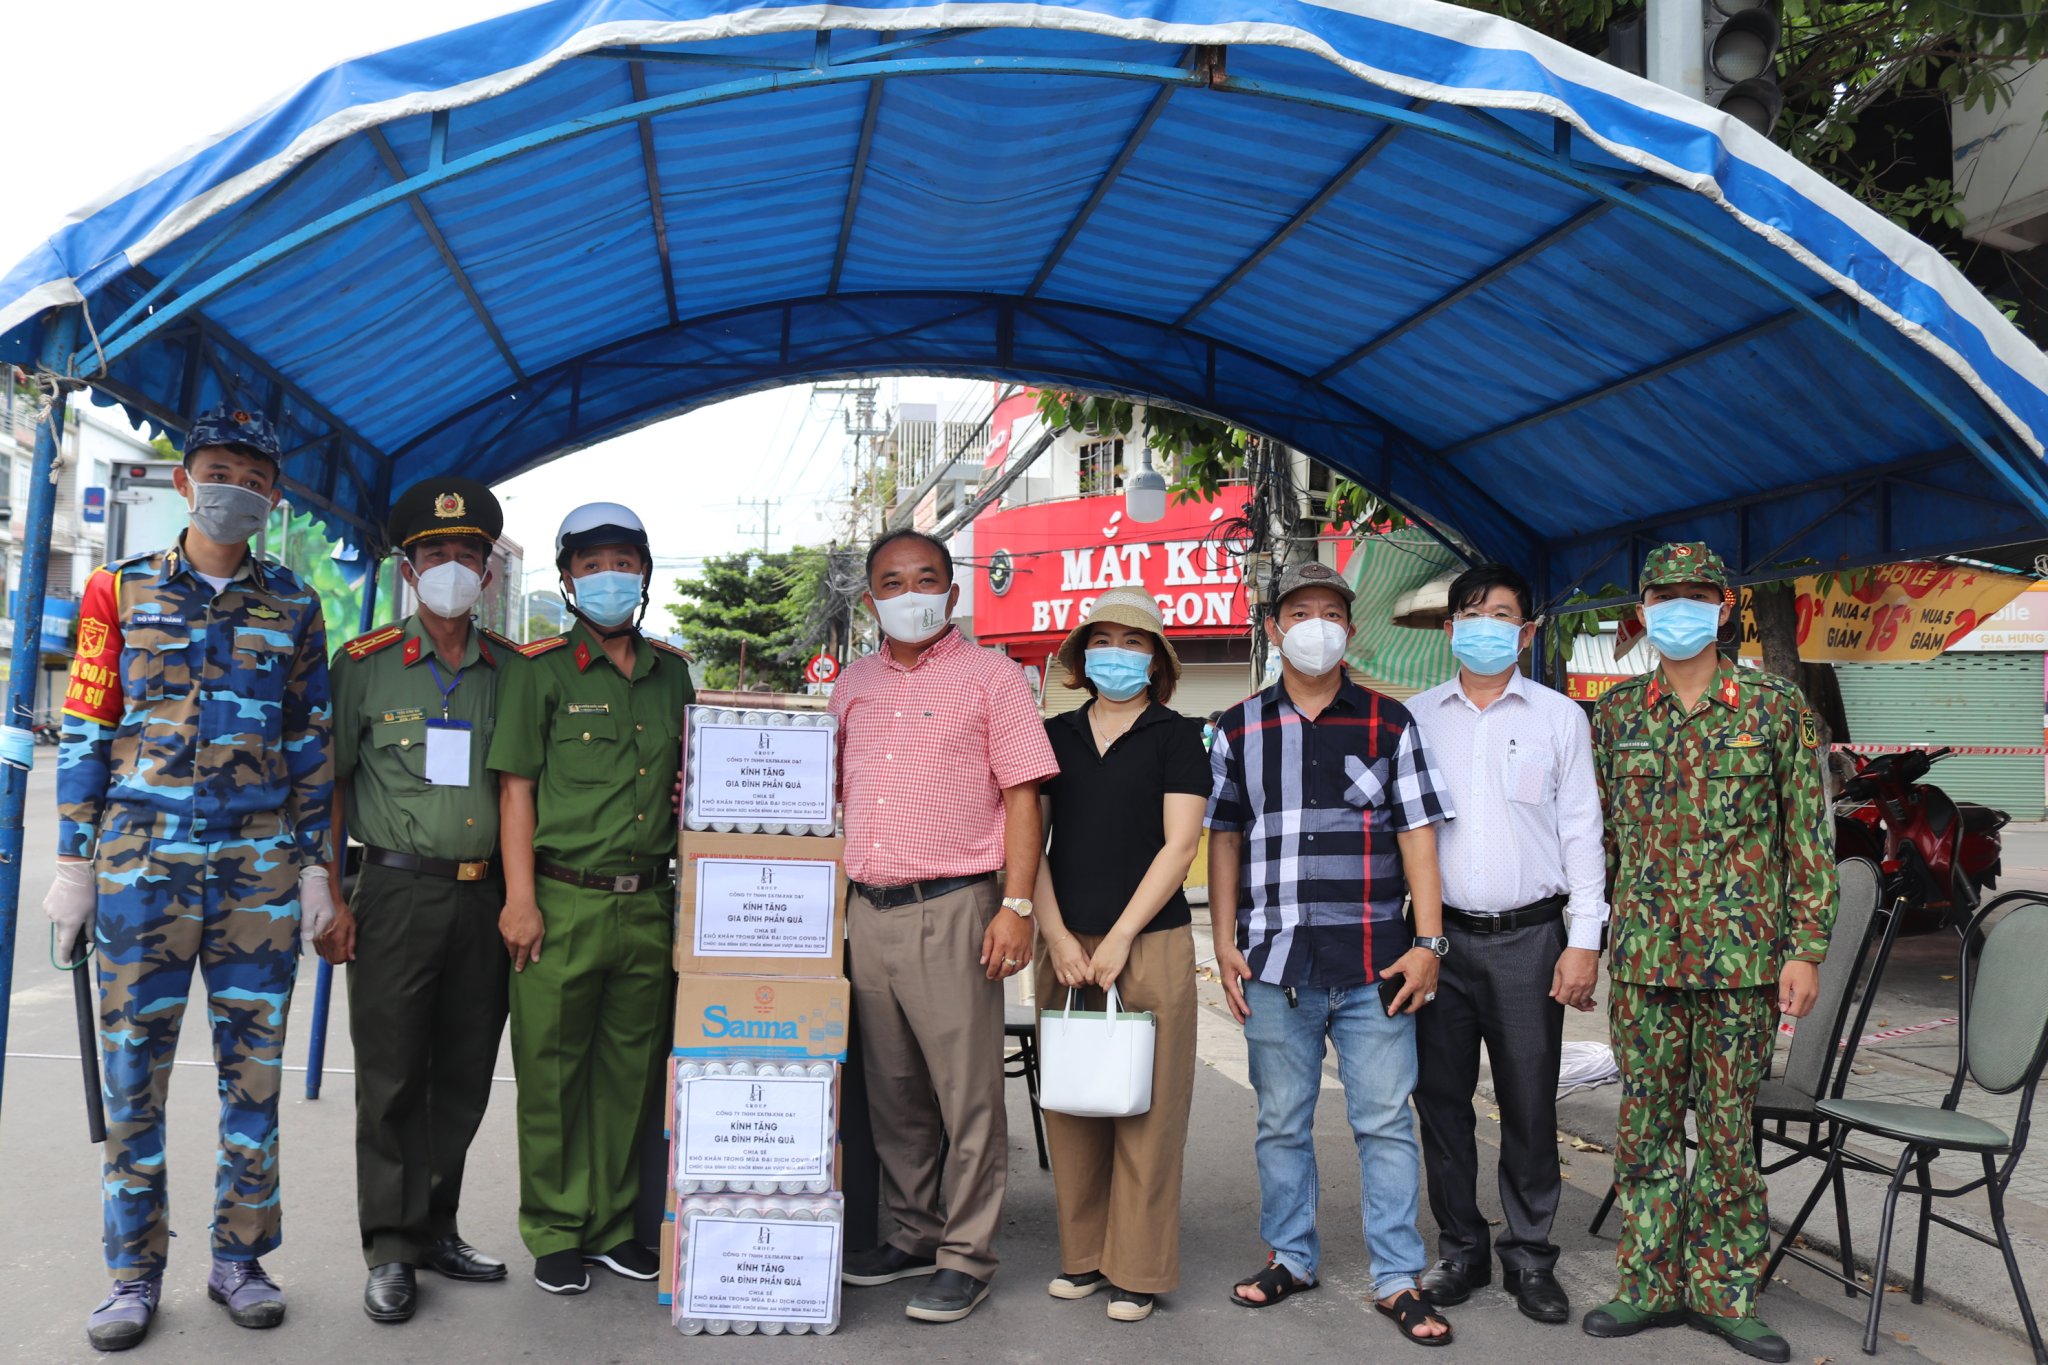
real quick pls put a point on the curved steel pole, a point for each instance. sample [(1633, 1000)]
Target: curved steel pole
[(28, 631), (323, 975)]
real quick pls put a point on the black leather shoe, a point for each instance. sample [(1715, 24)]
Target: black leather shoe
[(951, 1296), (392, 1294), (1449, 1283), (884, 1265), (1538, 1294), (458, 1260)]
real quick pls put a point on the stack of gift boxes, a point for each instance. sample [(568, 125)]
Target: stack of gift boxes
[(755, 1236)]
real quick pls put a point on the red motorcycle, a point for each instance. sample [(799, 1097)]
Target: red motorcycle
[(1935, 855)]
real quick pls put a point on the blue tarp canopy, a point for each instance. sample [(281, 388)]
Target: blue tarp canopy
[(1518, 292)]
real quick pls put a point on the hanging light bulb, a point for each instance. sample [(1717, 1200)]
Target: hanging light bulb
[(1145, 493)]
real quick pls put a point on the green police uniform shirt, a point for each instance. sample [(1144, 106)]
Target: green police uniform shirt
[(1719, 865), (602, 748), (385, 692)]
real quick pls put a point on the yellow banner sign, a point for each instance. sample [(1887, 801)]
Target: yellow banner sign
[(1896, 613)]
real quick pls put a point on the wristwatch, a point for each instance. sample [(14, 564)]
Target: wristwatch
[(1018, 905), (1439, 945)]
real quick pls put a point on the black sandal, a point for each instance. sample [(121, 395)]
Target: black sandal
[(1410, 1311), (1276, 1282)]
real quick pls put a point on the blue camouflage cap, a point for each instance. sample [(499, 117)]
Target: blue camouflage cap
[(238, 428)]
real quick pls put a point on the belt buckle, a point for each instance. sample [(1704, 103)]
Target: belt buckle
[(472, 872), (626, 886)]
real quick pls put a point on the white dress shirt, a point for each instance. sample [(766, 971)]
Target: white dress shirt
[(1520, 776)]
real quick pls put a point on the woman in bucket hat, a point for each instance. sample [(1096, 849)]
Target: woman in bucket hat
[(1124, 815)]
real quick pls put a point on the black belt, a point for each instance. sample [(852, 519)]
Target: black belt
[(1549, 910), (454, 871), (889, 897), (618, 885)]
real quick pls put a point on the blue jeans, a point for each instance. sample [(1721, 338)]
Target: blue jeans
[(1376, 1063)]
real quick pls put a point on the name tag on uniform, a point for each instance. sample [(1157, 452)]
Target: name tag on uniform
[(1631, 743), (403, 714), (590, 708), (448, 753)]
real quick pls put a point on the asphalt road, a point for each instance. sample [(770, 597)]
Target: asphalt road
[(51, 1274)]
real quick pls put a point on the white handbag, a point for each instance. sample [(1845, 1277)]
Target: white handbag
[(1095, 1064)]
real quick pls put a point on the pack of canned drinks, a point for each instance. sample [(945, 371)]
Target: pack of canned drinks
[(754, 1127), (758, 1263), (759, 771)]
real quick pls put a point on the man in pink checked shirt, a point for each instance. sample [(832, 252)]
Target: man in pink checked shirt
[(942, 751)]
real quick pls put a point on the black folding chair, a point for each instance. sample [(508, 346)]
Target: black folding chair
[(2002, 1045), (1020, 1025), (1820, 1053)]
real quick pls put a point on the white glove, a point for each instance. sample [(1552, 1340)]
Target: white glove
[(73, 897), (316, 902)]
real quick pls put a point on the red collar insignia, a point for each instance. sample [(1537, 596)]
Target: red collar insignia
[(412, 650), (582, 655)]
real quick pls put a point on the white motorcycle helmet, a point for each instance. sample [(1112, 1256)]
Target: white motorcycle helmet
[(601, 523)]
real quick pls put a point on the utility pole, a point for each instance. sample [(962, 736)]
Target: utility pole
[(1672, 51), (766, 507), (862, 425)]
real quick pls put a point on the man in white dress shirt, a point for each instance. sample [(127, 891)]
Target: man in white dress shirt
[(1525, 910)]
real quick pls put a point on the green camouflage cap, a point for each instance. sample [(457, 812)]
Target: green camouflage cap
[(1684, 562)]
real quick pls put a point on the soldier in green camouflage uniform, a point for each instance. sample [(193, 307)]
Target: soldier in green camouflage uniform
[(1724, 892)]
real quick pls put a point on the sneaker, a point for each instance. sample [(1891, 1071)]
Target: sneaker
[(1078, 1285), (251, 1296), (1623, 1319), (1128, 1306), (123, 1320), (629, 1259), (951, 1296), (561, 1272), (884, 1265), (1751, 1336)]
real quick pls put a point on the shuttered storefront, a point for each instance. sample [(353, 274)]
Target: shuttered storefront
[(1203, 688), (1959, 699)]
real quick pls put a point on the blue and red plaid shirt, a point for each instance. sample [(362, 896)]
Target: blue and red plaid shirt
[(1319, 802)]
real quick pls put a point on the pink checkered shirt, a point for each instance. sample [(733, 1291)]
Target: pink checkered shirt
[(925, 754)]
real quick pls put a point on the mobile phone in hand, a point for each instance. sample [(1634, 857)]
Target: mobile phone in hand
[(1390, 986)]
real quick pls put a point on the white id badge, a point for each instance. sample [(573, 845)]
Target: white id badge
[(448, 753)]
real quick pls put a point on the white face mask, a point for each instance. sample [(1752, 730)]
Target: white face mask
[(1315, 647), (912, 617), (449, 589)]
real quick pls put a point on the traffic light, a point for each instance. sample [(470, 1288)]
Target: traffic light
[(1740, 41)]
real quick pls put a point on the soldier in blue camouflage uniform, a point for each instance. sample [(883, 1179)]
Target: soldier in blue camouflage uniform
[(195, 789), (1723, 888)]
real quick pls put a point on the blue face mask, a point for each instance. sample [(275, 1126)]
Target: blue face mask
[(609, 598), (1486, 646), (1118, 674), (1681, 627)]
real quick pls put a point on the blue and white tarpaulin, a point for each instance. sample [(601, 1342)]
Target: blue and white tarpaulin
[(1515, 290)]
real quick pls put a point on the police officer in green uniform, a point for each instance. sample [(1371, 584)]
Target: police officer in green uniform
[(587, 752), (415, 702), (1724, 890)]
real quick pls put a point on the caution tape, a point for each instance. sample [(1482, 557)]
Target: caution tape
[(1971, 750), (1786, 1027)]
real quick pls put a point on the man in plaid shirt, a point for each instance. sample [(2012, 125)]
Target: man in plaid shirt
[(1321, 827)]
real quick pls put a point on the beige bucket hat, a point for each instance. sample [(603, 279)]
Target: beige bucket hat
[(1132, 607)]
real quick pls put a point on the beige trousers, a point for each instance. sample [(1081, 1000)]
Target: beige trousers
[(931, 1027), (1117, 1181)]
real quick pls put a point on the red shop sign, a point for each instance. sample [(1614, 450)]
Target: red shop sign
[(1047, 563)]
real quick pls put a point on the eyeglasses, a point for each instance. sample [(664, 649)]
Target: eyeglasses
[(1507, 618)]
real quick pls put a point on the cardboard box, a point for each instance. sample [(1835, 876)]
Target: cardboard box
[(784, 1019), (669, 1231), (760, 905)]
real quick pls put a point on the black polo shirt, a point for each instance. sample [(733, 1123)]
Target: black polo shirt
[(1108, 813)]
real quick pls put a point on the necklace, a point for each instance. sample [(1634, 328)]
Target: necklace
[(1105, 738)]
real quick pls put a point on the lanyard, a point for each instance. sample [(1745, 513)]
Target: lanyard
[(447, 688)]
